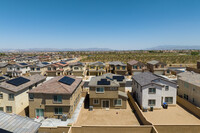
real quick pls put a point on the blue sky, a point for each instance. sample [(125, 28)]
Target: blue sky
[(116, 24)]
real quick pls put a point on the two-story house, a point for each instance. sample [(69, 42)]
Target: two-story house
[(157, 67), (117, 67), (96, 68), (76, 69), (3, 68), (13, 93), (19, 69), (39, 68), (56, 97), (152, 90), (136, 67), (189, 87), (108, 91), (57, 69)]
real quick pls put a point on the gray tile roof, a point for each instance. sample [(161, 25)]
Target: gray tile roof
[(3, 64), (144, 78), (154, 62), (97, 63), (76, 64), (94, 80), (115, 63), (18, 124), (190, 77)]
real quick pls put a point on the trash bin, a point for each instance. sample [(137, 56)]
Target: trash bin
[(144, 109), (151, 108), (64, 117), (165, 105), (90, 108)]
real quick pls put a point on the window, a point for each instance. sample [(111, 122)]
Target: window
[(1, 108), (123, 67), (58, 99), (118, 67), (75, 68), (166, 88), (92, 67), (113, 88), (95, 101), (33, 69), (1, 96), (169, 100), (101, 67), (134, 67), (99, 90), (58, 111), (38, 69), (118, 102), (49, 68), (152, 102), (31, 96), (11, 97), (185, 96), (9, 109), (152, 90)]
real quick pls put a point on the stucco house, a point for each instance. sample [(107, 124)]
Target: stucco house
[(152, 90), (108, 91), (3, 68), (189, 87), (19, 69), (96, 68), (117, 67), (56, 97), (157, 67), (136, 67), (13, 93), (76, 69), (39, 68)]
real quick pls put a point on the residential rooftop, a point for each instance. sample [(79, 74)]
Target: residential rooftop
[(190, 77)]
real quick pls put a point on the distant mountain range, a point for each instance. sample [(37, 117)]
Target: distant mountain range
[(54, 49), (175, 47)]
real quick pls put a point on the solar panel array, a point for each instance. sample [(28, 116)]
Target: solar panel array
[(67, 80), (62, 62), (18, 81), (103, 82), (2, 78), (109, 78), (45, 63), (118, 78), (23, 64)]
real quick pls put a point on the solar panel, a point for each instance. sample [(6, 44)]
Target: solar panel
[(2, 78), (18, 81), (67, 80), (118, 78), (103, 82), (109, 78), (23, 64), (45, 63), (62, 62)]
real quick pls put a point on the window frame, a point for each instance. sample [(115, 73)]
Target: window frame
[(117, 104), (168, 101), (7, 109), (151, 103), (32, 95), (100, 91), (97, 102), (57, 97), (59, 112), (11, 99), (166, 88), (149, 92), (1, 95)]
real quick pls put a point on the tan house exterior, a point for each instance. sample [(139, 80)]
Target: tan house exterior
[(57, 69), (3, 68), (136, 67), (53, 99), (96, 69), (117, 67), (157, 67), (14, 99), (106, 92), (76, 69), (39, 68), (189, 87)]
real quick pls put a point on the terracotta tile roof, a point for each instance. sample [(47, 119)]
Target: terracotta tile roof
[(53, 86)]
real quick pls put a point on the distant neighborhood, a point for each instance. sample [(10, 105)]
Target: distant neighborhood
[(63, 92)]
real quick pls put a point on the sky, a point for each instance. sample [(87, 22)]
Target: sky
[(115, 24)]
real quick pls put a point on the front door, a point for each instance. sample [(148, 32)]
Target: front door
[(106, 104), (39, 112)]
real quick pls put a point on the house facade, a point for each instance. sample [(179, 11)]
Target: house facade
[(13, 93), (39, 68), (189, 87), (57, 69), (55, 98), (152, 90), (3, 68), (19, 69), (108, 91), (96, 69), (157, 67), (136, 67), (117, 67), (76, 69)]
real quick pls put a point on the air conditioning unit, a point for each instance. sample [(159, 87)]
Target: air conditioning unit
[(64, 117)]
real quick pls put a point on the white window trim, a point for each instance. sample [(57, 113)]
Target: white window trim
[(96, 103), (117, 105), (102, 103), (100, 92), (151, 104)]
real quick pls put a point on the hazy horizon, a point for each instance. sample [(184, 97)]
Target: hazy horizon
[(113, 24)]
